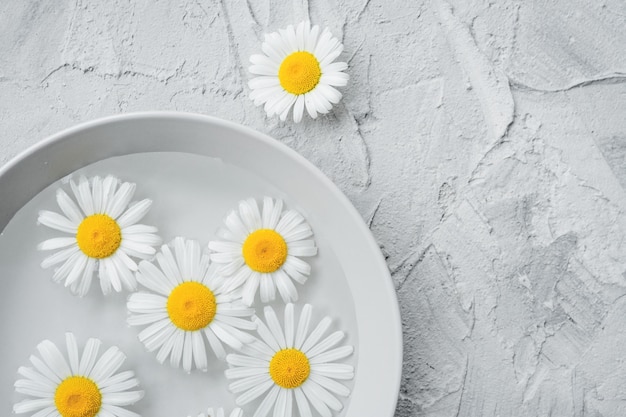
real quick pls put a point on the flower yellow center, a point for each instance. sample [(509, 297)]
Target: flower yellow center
[(299, 73), (191, 306), (78, 396), (264, 250), (289, 368), (99, 236)]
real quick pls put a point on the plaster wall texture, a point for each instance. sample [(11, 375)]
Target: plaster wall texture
[(483, 142)]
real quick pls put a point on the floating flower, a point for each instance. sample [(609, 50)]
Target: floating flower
[(262, 250), (297, 70), (84, 386), (104, 235), (291, 364), (188, 303), (219, 412)]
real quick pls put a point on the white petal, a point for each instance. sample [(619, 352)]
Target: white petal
[(72, 353), (28, 406), (325, 344), (259, 59), (245, 384), (52, 356), (145, 319), (69, 208), (289, 325), (246, 361), (250, 288), (267, 289), (285, 287), (250, 214), (97, 194), (332, 355), (167, 347), (315, 401), (77, 271), (90, 354), (109, 362), (274, 325), (309, 104), (333, 54), (141, 302), (109, 275), (336, 79), (263, 82), (215, 343), (187, 352), (333, 370), (56, 243), (118, 411), (57, 222), (199, 351), (272, 212), (266, 405), (177, 349), (330, 384), (37, 377), (126, 377), (83, 195), (44, 369), (151, 277), (335, 68), (139, 229), (120, 200), (155, 334), (59, 257), (303, 403), (298, 109), (121, 398), (221, 331), (301, 34), (311, 389), (168, 264), (266, 335), (311, 38), (70, 264), (329, 93), (316, 334), (244, 372), (303, 326), (136, 212), (254, 392), (263, 70), (235, 321)]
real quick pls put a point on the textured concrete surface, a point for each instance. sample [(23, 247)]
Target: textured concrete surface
[(484, 142)]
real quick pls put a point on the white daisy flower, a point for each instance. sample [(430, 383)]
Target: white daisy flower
[(187, 303), (297, 70), (219, 412), (82, 386), (291, 364), (263, 250), (104, 235)]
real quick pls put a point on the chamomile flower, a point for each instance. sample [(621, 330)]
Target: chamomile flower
[(291, 364), (219, 412), (186, 306), (82, 386), (262, 250), (104, 235), (298, 70)]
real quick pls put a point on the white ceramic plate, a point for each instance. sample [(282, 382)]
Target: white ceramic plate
[(195, 169)]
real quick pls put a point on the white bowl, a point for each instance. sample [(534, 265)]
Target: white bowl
[(194, 167)]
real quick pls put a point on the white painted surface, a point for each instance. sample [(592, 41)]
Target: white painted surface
[(484, 143)]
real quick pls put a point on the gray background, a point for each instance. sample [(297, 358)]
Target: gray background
[(484, 143)]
